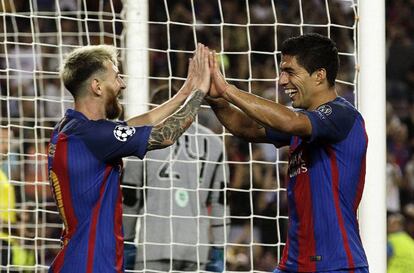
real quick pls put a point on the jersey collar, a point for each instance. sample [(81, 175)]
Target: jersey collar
[(75, 114)]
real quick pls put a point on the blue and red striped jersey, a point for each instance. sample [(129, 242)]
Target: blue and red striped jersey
[(326, 179), (85, 165)]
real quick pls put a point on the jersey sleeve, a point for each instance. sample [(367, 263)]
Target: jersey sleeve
[(331, 122), (111, 140), (277, 138)]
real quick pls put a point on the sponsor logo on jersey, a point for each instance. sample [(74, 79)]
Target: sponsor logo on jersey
[(123, 132), (297, 165)]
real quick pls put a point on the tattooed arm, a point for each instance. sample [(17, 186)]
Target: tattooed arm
[(167, 132), (167, 108)]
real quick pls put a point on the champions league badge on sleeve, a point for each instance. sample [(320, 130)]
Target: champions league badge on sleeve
[(324, 110), (123, 132)]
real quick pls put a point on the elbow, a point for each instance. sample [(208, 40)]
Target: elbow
[(168, 142), (298, 125), (290, 127), (295, 130), (161, 137), (156, 144)]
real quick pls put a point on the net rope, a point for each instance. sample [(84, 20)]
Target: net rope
[(246, 35)]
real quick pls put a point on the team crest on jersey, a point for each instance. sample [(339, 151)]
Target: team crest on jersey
[(123, 132)]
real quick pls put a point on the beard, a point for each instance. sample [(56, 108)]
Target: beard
[(113, 108)]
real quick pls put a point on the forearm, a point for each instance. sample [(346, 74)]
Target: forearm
[(237, 122), (269, 113), (159, 113), (167, 132)]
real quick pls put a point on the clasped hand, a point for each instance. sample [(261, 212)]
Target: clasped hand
[(204, 74)]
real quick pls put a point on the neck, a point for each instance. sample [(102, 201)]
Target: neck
[(323, 97), (91, 108)]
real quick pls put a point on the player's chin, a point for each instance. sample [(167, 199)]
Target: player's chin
[(295, 104), (115, 111)]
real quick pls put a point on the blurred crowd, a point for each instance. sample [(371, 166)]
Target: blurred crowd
[(400, 135), (33, 100)]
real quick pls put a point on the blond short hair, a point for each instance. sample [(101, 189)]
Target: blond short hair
[(83, 62)]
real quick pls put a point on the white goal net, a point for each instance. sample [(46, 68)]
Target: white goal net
[(36, 35)]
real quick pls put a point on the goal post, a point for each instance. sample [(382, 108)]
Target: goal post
[(136, 56), (371, 46)]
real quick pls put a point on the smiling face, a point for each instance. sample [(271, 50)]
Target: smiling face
[(297, 83), (112, 85)]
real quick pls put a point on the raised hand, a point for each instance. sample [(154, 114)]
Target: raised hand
[(202, 74), (188, 85), (167, 132), (218, 83)]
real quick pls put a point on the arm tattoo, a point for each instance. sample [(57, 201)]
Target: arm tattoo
[(166, 133)]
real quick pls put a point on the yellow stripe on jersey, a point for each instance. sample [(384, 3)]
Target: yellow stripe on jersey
[(58, 196)]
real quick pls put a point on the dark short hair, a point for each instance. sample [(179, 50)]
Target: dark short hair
[(82, 62), (314, 51)]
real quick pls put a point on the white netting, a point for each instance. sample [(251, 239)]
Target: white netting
[(35, 35)]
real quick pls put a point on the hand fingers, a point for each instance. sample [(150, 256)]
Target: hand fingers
[(190, 67), (195, 56), (199, 54), (215, 64), (215, 60), (205, 58), (211, 57), (202, 58)]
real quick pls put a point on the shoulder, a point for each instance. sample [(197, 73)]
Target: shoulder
[(338, 108), (333, 120), (101, 127)]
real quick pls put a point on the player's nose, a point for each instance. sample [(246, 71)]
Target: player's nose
[(283, 78), (122, 83)]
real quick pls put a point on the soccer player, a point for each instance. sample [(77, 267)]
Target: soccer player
[(327, 153), (86, 151), (182, 184)]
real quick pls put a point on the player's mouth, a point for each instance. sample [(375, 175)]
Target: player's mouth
[(291, 92)]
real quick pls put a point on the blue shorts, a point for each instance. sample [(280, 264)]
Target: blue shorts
[(355, 270)]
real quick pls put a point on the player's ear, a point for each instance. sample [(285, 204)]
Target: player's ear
[(320, 75), (96, 87)]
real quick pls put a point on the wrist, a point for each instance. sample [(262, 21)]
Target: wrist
[(180, 96), (229, 91), (200, 91), (203, 90), (216, 103)]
